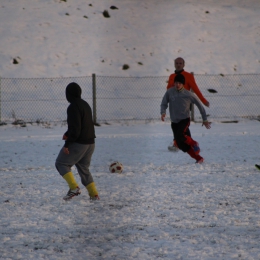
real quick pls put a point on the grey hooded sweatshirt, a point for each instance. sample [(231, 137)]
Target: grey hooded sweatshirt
[(179, 104)]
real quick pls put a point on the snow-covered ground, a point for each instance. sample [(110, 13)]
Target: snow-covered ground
[(65, 38), (163, 205)]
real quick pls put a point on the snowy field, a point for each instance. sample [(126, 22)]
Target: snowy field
[(163, 205)]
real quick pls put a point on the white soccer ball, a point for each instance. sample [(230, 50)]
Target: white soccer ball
[(116, 167)]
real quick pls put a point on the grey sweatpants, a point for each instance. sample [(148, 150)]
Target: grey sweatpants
[(80, 156)]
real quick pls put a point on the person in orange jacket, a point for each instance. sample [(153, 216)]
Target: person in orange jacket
[(190, 82)]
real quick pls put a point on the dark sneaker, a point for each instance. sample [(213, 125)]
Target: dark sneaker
[(96, 197), (196, 148), (72, 193), (173, 148), (200, 161), (257, 166)]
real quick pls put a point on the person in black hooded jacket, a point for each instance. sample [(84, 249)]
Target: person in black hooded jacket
[(79, 144)]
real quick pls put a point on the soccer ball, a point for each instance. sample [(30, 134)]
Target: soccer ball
[(116, 167)]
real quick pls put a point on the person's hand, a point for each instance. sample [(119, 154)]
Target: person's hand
[(163, 116), (66, 150), (207, 104), (207, 124)]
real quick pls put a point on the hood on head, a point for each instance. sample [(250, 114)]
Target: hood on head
[(73, 91)]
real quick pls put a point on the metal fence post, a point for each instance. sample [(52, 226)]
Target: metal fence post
[(94, 98), (192, 114)]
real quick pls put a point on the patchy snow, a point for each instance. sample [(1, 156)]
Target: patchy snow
[(163, 205)]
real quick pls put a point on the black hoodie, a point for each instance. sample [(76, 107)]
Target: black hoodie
[(79, 118)]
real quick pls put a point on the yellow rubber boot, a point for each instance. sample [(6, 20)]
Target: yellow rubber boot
[(92, 191), (69, 177)]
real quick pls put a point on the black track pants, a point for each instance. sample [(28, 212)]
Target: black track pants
[(180, 130)]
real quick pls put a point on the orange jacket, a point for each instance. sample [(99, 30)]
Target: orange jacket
[(190, 83)]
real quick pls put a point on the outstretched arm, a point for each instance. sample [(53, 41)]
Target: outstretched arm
[(207, 124), (163, 116), (197, 91), (207, 103)]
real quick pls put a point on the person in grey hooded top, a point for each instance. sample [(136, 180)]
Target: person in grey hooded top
[(179, 100), (79, 144)]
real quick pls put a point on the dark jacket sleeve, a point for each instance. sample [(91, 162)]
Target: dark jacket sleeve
[(74, 124)]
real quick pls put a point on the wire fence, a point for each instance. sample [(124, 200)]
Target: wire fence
[(124, 98)]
